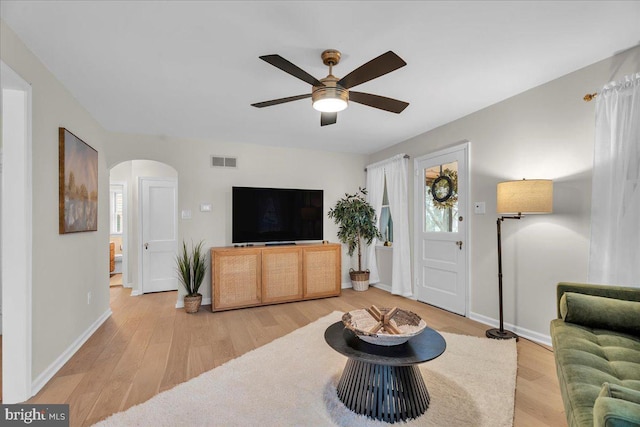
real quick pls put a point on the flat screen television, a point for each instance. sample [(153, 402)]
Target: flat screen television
[(276, 215)]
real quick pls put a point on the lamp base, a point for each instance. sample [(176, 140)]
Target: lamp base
[(496, 334)]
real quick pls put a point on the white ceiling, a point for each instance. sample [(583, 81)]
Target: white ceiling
[(191, 68)]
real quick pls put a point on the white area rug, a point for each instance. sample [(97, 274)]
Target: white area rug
[(292, 382)]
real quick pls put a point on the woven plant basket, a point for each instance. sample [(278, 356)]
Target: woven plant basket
[(359, 280), (192, 303)]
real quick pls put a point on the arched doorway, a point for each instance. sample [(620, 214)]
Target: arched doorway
[(127, 236)]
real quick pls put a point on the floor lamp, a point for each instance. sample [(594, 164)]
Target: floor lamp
[(534, 196)]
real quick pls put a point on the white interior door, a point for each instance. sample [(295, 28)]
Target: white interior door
[(440, 200), (159, 221)]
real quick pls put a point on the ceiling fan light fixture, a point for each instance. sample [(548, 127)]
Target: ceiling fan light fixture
[(331, 97), (330, 105), (331, 94)]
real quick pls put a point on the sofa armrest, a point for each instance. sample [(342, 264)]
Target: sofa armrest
[(617, 292), (617, 406)]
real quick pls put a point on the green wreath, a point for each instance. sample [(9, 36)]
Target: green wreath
[(444, 189)]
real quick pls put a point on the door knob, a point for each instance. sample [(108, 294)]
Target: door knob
[(459, 243), (146, 246)]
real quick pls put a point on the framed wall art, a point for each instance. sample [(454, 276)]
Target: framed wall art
[(78, 184)]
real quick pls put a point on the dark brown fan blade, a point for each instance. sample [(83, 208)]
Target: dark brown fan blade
[(377, 101), (383, 64), (328, 118), (280, 101), (286, 66)]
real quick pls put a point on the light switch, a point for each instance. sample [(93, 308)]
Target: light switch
[(186, 214), (479, 208), (205, 207)]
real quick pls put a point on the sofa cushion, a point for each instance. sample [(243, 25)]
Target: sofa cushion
[(616, 406), (588, 357), (601, 312)]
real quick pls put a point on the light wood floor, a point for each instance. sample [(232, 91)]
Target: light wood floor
[(148, 346), (115, 280)]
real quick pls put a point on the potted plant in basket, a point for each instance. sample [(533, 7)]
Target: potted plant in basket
[(356, 219), (191, 266)]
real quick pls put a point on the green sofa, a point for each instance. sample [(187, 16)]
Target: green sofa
[(596, 342)]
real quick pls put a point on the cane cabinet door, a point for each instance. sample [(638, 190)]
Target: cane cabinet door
[(236, 278)]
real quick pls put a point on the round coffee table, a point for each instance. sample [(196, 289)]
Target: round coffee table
[(380, 382)]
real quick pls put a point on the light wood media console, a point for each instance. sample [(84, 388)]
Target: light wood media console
[(260, 275)]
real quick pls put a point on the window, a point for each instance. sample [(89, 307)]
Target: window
[(441, 210), (115, 209), (386, 221)]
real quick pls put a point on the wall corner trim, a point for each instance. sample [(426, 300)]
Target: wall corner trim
[(48, 373)]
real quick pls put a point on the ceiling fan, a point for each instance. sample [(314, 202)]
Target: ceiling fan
[(331, 94)]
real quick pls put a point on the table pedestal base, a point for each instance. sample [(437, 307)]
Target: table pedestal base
[(387, 393)]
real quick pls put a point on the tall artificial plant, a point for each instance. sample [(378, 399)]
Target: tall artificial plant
[(356, 220), (192, 265)]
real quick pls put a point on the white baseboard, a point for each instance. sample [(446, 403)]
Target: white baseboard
[(347, 285), (51, 370), (135, 293), (523, 332), (180, 302), (387, 288), (382, 286)]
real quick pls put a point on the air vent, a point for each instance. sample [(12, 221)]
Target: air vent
[(224, 162)]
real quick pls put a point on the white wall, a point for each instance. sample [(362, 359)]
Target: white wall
[(384, 258), (546, 132), (258, 166), (65, 267)]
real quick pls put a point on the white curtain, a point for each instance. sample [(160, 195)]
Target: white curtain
[(615, 207), (398, 192), (375, 190), (396, 171)]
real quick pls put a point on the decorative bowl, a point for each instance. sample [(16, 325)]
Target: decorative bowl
[(365, 325)]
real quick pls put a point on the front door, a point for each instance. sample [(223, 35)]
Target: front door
[(159, 198), (440, 199)]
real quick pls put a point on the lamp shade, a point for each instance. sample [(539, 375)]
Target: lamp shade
[(530, 196)]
